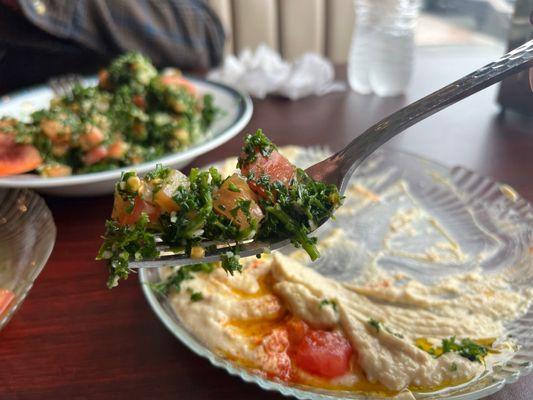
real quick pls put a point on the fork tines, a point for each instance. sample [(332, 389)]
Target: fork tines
[(63, 85), (214, 250)]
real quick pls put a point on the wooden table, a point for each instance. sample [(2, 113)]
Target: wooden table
[(74, 339)]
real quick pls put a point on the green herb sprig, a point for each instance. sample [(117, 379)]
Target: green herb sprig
[(124, 243), (176, 279)]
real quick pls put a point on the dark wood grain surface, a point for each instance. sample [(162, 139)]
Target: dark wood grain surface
[(74, 339)]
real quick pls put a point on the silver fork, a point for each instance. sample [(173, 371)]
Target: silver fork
[(62, 85), (338, 168)]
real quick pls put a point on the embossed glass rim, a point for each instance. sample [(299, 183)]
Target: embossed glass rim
[(488, 383), (37, 219)]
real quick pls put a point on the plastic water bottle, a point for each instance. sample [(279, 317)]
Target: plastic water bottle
[(381, 53)]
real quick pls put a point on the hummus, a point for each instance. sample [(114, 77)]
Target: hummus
[(390, 319), (239, 315)]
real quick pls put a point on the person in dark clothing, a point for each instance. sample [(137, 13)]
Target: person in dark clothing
[(44, 38)]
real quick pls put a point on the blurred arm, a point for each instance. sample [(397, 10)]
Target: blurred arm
[(183, 33)]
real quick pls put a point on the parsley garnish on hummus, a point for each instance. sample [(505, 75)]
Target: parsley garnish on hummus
[(327, 302), (466, 348), (196, 296), (375, 324), (174, 281)]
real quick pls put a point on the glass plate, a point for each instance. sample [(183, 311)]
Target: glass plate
[(27, 237), (492, 223)]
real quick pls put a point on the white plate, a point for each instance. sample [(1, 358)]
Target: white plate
[(237, 111)]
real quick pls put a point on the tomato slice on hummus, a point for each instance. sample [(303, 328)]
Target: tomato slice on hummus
[(319, 352), (323, 353)]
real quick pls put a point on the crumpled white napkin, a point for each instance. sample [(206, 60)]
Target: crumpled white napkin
[(264, 72)]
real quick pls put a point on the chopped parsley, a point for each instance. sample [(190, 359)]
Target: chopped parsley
[(466, 348), (232, 187), (398, 335), (196, 296), (296, 210), (327, 302), (230, 263), (185, 273), (133, 115), (379, 325), (453, 367), (123, 243), (209, 111), (375, 324), (253, 144), (159, 173), (131, 68)]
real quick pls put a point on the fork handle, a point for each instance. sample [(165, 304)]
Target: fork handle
[(350, 157)]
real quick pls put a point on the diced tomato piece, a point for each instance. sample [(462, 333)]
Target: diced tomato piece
[(163, 197), (139, 101), (94, 155), (103, 79), (56, 130), (117, 149), (140, 206), (178, 80), (92, 137), (17, 158), (6, 297), (275, 166), (297, 329), (119, 207), (227, 197), (323, 353)]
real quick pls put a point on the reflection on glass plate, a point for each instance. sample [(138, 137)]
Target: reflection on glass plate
[(27, 237), (422, 220)]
